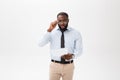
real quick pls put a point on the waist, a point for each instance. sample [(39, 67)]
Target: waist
[(62, 62)]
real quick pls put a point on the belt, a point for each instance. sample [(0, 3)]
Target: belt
[(66, 62)]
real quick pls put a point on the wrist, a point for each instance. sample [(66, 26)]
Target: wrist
[(49, 30)]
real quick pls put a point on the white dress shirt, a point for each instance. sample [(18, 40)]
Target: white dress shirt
[(72, 38)]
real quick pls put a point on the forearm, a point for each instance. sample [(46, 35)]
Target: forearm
[(44, 39), (77, 53)]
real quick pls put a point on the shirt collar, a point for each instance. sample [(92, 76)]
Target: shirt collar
[(68, 28)]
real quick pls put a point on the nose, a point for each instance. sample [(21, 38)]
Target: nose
[(62, 23)]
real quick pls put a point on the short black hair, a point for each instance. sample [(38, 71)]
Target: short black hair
[(63, 13)]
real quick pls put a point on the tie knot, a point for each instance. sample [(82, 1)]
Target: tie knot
[(63, 30)]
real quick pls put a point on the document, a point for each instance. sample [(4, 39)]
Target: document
[(59, 52)]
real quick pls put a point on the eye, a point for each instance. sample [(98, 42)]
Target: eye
[(60, 21)]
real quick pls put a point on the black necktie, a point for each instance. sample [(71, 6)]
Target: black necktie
[(62, 40), (62, 43)]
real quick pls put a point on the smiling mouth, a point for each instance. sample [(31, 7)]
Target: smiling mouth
[(62, 26)]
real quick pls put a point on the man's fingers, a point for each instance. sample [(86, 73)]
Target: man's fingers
[(54, 23), (67, 56)]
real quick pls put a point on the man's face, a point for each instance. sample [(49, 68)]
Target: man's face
[(62, 21)]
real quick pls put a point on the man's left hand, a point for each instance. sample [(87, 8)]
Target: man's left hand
[(67, 56)]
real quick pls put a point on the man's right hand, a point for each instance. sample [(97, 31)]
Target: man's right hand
[(52, 26)]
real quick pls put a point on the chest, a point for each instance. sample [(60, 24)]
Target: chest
[(69, 37)]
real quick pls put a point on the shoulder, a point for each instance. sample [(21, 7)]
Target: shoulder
[(55, 31), (75, 31)]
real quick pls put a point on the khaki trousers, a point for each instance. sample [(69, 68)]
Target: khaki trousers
[(58, 71)]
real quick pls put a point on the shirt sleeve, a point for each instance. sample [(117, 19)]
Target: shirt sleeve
[(44, 39), (78, 47)]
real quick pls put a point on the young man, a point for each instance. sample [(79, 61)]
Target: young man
[(65, 45)]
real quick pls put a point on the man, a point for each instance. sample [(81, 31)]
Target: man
[(65, 45)]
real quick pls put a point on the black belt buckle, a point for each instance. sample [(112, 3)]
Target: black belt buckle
[(62, 62)]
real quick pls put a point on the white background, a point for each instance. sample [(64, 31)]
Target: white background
[(23, 21)]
